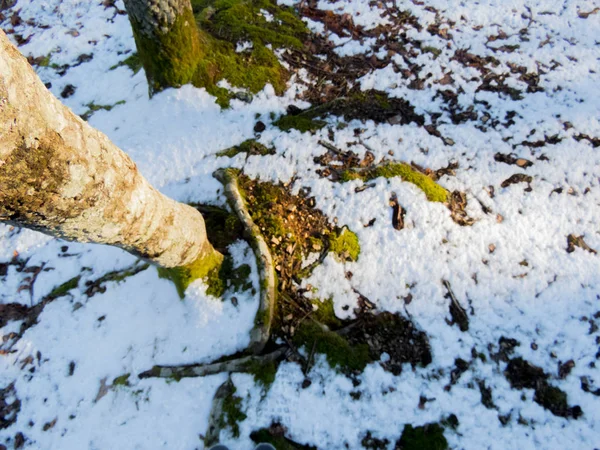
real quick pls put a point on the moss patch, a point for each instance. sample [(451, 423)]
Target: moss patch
[(433, 191), (64, 288), (133, 62), (123, 380), (345, 245), (299, 122), (251, 70), (223, 228), (205, 268), (232, 413), (339, 353), (243, 20), (250, 147), (228, 277), (92, 108), (430, 437), (264, 374), (325, 314), (224, 24)]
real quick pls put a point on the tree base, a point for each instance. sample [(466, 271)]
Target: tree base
[(207, 268)]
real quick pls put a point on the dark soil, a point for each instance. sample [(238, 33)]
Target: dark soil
[(10, 406), (392, 334)]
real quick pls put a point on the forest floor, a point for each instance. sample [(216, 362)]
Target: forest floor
[(429, 186)]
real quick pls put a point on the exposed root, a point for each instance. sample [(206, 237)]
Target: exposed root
[(202, 370), (216, 413), (262, 326)]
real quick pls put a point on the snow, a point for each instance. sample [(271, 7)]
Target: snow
[(529, 288)]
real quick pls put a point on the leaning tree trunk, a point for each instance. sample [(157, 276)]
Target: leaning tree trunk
[(167, 40), (62, 177)]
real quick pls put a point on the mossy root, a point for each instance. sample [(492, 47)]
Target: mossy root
[(262, 325)]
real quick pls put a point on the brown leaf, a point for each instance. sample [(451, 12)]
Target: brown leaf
[(50, 425), (103, 390), (585, 15), (398, 213), (517, 178), (577, 241)]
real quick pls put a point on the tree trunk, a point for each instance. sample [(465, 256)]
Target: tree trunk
[(167, 40), (60, 176)]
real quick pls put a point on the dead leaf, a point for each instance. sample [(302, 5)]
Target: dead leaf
[(103, 390), (577, 241)]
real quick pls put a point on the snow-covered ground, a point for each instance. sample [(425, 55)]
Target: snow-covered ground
[(510, 269)]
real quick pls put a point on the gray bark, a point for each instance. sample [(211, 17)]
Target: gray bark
[(62, 177), (153, 15)]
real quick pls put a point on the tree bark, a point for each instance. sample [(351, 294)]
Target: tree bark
[(167, 40), (62, 177)]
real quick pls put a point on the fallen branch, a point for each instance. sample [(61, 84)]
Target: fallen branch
[(261, 332), (202, 370)]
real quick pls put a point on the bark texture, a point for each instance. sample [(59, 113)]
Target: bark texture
[(60, 176), (167, 40)]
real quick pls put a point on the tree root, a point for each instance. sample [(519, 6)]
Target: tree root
[(261, 332), (200, 370), (216, 413)]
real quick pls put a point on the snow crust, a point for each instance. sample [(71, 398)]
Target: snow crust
[(529, 288)]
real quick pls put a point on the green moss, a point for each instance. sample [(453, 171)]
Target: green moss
[(64, 288), (45, 61), (224, 24), (232, 413), (339, 353), (433, 50), (371, 97), (250, 70), (228, 277), (433, 191), (206, 267), (92, 108), (133, 62), (250, 147), (264, 374), (345, 244), (123, 380), (170, 59), (325, 313), (299, 122), (267, 195), (349, 175), (243, 20), (430, 437)]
